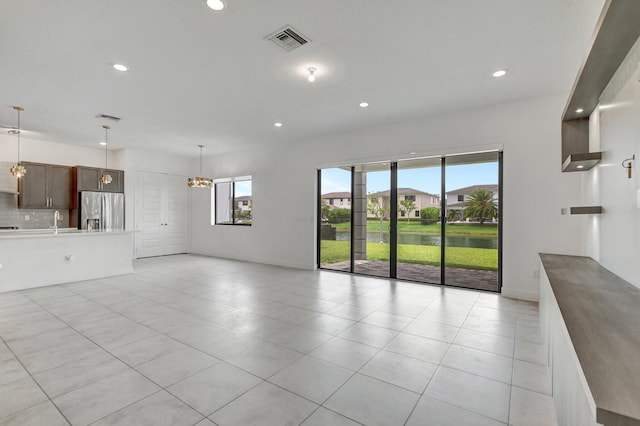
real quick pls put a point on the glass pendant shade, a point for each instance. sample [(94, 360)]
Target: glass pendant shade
[(17, 170), (200, 182), (197, 181)]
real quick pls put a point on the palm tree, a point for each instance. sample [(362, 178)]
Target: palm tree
[(481, 206), (406, 207)]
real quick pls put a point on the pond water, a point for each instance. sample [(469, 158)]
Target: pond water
[(427, 240)]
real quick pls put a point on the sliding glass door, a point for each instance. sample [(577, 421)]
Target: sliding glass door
[(419, 230), (433, 220), (334, 231), (371, 214), (471, 231)]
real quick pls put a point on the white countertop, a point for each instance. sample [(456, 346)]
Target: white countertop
[(62, 232)]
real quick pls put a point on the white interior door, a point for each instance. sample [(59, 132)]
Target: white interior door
[(162, 214)]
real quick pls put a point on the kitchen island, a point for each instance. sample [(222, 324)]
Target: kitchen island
[(35, 258)]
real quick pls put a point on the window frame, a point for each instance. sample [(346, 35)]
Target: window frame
[(234, 202)]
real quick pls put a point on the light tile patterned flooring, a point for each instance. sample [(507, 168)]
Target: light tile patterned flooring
[(191, 340)]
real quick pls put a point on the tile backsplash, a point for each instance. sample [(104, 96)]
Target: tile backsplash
[(11, 215)]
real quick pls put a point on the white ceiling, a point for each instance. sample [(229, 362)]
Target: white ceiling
[(204, 77)]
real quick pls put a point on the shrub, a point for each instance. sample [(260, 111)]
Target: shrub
[(429, 215), (339, 215)]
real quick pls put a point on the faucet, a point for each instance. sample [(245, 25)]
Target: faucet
[(56, 217)]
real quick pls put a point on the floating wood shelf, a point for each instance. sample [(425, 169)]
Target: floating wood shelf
[(616, 32)]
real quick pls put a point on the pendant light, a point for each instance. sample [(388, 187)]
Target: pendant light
[(200, 182), (17, 169), (106, 177)]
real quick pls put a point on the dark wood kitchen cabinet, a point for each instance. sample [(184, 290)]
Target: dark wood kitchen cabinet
[(88, 179), (45, 186)]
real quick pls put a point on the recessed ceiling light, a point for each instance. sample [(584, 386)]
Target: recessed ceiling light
[(215, 4), (499, 73), (121, 67), (277, 124), (412, 153), (364, 104), (579, 110), (102, 143), (580, 167)]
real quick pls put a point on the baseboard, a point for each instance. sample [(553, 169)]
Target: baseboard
[(529, 295)]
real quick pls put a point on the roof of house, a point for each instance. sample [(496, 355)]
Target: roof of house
[(403, 191), (469, 189), (244, 198), (337, 195)]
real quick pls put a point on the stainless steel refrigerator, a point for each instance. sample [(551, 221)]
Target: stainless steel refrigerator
[(101, 211)]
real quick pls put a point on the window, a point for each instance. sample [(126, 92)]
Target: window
[(461, 197), (410, 197), (229, 194), (341, 201), (402, 213), (417, 213)]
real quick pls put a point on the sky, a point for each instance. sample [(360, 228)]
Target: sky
[(243, 188), (426, 179)]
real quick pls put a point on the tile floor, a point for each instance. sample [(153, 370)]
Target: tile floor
[(191, 340)]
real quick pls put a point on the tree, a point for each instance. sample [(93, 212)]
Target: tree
[(481, 206), (324, 209), (406, 207), (376, 207), (453, 215), (429, 215)]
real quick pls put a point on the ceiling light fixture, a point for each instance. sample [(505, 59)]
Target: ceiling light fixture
[(17, 170), (364, 104), (499, 73), (198, 181), (215, 4), (277, 124), (120, 67), (106, 178), (102, 143), (312, 72), (579, 110)]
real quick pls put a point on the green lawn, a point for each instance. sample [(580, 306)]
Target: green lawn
[(457, 257), (486, 230)]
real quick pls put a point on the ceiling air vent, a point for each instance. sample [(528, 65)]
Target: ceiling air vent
[(108, 117), (288, 38)]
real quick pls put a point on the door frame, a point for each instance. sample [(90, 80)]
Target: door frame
[(137, 220), (393, 223)]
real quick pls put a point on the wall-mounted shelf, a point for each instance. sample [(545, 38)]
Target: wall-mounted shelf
[(616, 32), (582, 210)]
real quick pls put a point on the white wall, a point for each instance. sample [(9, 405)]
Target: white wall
[(39, 151), (284, 185), (615, 235)]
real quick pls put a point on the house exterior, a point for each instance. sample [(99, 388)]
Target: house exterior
[(421, 200), (338, 200), (457, 198), (244, 203)]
